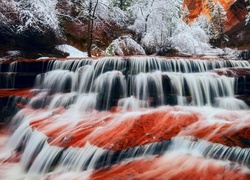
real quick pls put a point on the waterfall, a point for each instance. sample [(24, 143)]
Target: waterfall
[(91, 157), (87, 115), (142, 79), (203, 88), (136, 65)]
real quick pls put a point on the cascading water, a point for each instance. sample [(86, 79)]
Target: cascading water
[(203, 88), (141, 78), (87, 115)]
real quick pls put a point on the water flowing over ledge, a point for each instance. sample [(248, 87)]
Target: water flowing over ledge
[(95, 118)]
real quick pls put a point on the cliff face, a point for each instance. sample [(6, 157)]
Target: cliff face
[(235, 26), (236, 10), (236, 13), (238, 33)]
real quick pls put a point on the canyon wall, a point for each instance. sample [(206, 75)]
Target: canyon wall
[(236, 10), (239, 34)]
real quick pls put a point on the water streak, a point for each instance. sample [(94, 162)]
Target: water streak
[(66, 125)]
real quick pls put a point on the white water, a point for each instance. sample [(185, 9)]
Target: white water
[(75, 159), (136, 84), (42, 159), (203, 87), (141, 78)]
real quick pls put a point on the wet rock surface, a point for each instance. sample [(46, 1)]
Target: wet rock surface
[(191, 168), (160, 129)]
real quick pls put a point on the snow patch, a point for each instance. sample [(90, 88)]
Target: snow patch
[(124, 45), (10, 54), (73, 52), (42, 58), (14, 53)]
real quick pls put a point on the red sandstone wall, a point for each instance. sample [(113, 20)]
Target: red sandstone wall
[(236, 10)]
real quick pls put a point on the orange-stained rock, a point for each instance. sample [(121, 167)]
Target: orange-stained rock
[(173, 166), (16, 92), (226, 134), (236, 10), (117, 130), (67, 132), (134, 130), (197, 7), (234, 72), (14, 158)]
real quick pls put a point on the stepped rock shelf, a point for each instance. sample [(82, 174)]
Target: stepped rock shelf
[(125, 118)]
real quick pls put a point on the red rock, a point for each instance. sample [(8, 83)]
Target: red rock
[(14, 158), (145, 128), (234, 72), (173, 166), (116, 130), (16, 92), (236, 11)]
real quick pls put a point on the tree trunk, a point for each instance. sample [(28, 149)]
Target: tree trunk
[(89, 39), (121, 5), (91, 25)]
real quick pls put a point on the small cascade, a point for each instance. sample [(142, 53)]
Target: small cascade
[(200, 147), (230, 103), (84, 82), (136, 65), (13, 67), (10, 76), (152, 81), (85, 102), (39, 157), (87, 116), (56, 81), (58, 100), (110, 86), (132, 103), (148, 85), (202, 88)]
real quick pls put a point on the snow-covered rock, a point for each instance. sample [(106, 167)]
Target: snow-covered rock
[(72, 51), (124, 46), (231, 53), (14, 53), (192, 40), (10, 55)]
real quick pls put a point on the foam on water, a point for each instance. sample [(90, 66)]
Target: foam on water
[(231, 103), (148, 64), (67, 130), (132, 103)]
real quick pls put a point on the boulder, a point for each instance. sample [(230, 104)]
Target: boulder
[(124, 46)]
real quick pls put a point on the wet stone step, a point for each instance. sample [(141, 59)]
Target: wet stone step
[(245, 98), (126, 65), (28, 66), (242, 77), (11, 100), (16, 80)]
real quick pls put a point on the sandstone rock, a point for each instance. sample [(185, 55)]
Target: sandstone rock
[(173, 166), (236, 11), (234, 72), (235, 25), (117, 131)]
